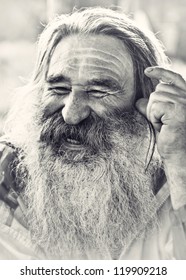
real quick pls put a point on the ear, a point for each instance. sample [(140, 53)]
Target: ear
[(141, 106)]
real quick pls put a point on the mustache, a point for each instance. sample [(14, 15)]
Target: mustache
[(93, 132)]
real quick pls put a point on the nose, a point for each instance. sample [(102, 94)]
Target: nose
[(75, 108)]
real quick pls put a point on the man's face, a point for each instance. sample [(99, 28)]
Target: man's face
[(86, 190), (92, 74)]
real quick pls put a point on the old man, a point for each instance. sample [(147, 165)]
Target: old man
[(93, 158)]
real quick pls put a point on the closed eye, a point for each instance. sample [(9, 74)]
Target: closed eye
[(60, 90), (97, 93)]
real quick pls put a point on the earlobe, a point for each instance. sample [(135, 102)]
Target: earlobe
[(141, 106)]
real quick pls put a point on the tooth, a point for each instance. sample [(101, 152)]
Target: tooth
[(72, 141)]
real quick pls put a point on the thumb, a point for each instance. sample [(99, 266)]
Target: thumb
[(141, 106)]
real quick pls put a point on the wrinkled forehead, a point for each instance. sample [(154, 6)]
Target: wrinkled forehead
[(91, 55)]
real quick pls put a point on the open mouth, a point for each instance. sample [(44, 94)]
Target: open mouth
[(73, 144)]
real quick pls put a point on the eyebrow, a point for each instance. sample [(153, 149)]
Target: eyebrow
[(104, 82), (52, 79)]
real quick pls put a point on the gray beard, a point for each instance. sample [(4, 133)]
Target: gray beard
[(88, 208)]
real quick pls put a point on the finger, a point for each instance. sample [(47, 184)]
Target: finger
[(162, 87), (166, 76), (155, 117), (159, 96), (156, 98), (141, 106), (158, 113), (176, 103)]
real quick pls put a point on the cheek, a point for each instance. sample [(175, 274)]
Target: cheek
[(124, 103), (102, 108), (51, 103), (110, 104)]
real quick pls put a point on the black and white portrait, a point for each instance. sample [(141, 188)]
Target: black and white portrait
[(93, 130)]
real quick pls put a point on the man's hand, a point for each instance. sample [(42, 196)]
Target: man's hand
[(166, 110)]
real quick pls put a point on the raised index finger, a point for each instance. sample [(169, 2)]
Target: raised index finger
[(166, 76)]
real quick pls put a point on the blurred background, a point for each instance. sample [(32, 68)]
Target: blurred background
[(21, 22)]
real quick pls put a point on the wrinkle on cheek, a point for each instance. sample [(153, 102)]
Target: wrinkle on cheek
[(98, 107), (46, 99), (50, 104), (104, 109)]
